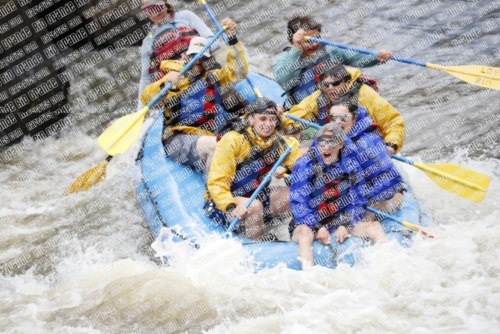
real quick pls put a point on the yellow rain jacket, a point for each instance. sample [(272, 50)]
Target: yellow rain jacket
[(233, 149), (383, 114), (224, 75)]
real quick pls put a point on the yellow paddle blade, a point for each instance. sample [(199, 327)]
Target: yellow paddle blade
[(89, 178), (483, 76), (425, 231), (120, 135), (460, 181)]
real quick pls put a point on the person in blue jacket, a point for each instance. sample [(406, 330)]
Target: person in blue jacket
[(384, 185), (325, 194), (298, 67)]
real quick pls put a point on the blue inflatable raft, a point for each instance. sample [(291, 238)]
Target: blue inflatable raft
[(171, 196)]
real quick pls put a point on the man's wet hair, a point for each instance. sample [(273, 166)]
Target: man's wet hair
[(338, 72), (263, 105), (301, 22)]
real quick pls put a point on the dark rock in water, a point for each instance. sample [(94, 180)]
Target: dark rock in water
[(51, 48)]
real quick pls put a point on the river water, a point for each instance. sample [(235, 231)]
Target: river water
[(86, 263)]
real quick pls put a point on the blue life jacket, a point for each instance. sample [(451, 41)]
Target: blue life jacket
[(383, 179), (330, 185), (200, 106), (251, 171), (309, 77), (327, 192)]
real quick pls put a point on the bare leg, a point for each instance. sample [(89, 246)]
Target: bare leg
[(371, 229), (304, 236), (254, 224), (206, 148), (389, 206), (393, 204), (280, 201)]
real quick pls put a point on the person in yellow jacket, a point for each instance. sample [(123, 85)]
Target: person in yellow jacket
[(194, 107), (241, 161), (334, 83)]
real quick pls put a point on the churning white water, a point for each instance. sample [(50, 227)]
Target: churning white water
[(83, 263)]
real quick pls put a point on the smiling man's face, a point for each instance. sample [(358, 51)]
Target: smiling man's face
[(264, 124)]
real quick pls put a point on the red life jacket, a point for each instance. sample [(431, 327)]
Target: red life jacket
[(170, 44), (251, 171), (328, 207), (308, 78), (199, 106)]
